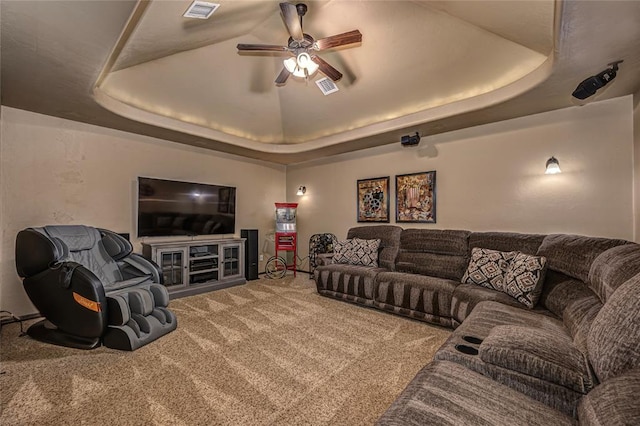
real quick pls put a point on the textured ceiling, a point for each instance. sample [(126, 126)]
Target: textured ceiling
[(426, 66)]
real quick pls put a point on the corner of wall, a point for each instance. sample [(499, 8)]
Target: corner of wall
[(636, 166)]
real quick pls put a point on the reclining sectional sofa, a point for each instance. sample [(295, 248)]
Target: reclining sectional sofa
[(546, 327)]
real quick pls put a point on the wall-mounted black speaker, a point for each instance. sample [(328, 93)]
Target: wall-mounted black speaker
[(250, 253), (410, 140)]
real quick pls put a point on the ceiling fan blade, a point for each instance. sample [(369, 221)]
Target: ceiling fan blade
[(327, 69), (262, 47), (292, 21), (339, 40), (282, 77)]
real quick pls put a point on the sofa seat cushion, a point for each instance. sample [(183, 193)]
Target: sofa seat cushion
[(467, 296), (539, 353), (479, 324), (614, 402), (354, 280), (444, 393), (417, 296)]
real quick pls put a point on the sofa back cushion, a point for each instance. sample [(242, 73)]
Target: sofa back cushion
[(506, 241), (573, 254), (613, 341), (434, 252), (612, 268), (389, 236)]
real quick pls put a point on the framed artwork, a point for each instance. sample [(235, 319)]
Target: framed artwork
[(416, 197), (373, 200)]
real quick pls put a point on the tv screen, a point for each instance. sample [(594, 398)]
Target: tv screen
[(168, 207)]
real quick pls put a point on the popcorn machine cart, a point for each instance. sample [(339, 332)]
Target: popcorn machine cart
[(286, 235)]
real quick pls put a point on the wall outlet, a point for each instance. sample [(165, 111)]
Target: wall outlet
[(261, 257)]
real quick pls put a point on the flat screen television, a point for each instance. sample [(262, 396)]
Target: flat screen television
[(169, 207)]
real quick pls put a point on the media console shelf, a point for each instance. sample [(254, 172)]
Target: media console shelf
[(197, 266)]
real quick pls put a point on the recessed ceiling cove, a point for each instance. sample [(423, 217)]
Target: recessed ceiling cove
[(418, 61)]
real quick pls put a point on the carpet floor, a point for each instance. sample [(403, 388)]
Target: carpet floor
[(271, 352)]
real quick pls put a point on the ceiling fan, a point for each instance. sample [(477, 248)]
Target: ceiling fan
[(303, 47)]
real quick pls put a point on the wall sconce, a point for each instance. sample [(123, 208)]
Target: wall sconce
[(553, 166), (301, 190)]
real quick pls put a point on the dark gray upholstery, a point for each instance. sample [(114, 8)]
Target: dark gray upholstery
[(578, 317), (415, 296), (560, 290), (91, 289), (434, 252), (389, 236), (612, 268), (506, 241), (354, 283), (543, 354), (445, 393), (573, 254), (467, 296), (483, 320), (614, 402), (614, 337), (505, 364)]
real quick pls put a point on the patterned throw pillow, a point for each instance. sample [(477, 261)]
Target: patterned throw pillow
[(524, 278), (357, 252), (487, 267)]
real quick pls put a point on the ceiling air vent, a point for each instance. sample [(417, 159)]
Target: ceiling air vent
[(201, 10), (327, 86)]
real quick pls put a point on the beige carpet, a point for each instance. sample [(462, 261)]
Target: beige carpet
[(271, 352)]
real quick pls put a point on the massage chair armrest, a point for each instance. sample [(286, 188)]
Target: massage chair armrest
[(71, 297), (135, 265)]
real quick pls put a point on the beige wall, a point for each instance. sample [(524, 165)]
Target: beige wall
[(56, 171), (492, 177), (636, 168)]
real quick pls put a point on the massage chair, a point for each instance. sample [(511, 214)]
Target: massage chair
[(91, 289)]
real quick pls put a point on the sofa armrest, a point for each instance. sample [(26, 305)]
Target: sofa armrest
[(324, 259), (543, 354)]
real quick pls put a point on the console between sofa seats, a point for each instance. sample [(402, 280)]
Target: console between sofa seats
[(488, 316)]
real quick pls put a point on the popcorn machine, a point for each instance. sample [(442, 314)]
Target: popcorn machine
[(286, 235)]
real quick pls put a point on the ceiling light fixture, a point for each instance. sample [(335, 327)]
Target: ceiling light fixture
[(553, 166), (302, 66), (301, 190)]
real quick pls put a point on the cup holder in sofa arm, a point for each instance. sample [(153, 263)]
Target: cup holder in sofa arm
[(468, 350), (472, 339)]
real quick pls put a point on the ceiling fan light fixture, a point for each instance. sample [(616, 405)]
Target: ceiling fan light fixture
[(298, 65)]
